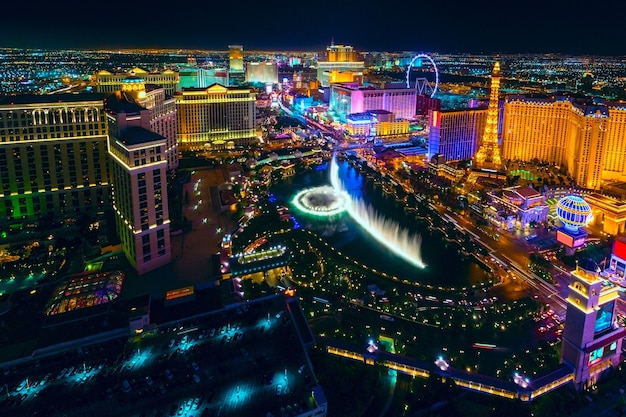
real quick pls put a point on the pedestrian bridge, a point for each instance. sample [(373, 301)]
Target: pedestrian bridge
[(559, 377)]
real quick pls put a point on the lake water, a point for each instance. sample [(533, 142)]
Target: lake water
[(445, 265)]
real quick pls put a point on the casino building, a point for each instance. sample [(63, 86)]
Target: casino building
[(216, 117), (262, 72), (53, 156), (455, 133), (112, 81), (584, 134), (162, 112), (341, 65), (592, 337), (349, 98), (376, 124), (139, 184)]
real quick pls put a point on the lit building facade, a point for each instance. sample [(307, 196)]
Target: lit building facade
[(162, 113), (215, 118), (262, 72), (198, 77), (349, 98), (110, 82), (235, 58), (488, 155), (592, 337), (342, 64), (236, 72), (518, 207), (585, 135), (454, 134), (376, 124), (53, 156), (139, 184)]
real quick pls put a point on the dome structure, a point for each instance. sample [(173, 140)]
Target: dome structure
[(573, 211)]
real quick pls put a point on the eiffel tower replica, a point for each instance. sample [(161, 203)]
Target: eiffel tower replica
[(488, 155)]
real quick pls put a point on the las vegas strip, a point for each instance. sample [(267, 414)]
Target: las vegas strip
[(332, 232)]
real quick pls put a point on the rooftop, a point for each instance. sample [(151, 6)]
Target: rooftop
[(121, 102), (50, 98), (136, 135)]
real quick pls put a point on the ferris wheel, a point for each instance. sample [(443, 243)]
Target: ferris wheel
[(422, 85)]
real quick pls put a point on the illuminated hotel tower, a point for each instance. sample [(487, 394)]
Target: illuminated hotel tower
[(342, 65), (53, 156), (236, 74), (217, 117), (235, 58), (583, 134), (162, 112), (592, 338), (139, 184), (455, 133), (488, 154)]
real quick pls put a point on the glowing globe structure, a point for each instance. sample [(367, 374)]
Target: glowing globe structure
[(574, 212)]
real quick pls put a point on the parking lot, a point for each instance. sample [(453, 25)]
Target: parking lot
[(252, 350)]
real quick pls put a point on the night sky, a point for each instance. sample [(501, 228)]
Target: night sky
[(530, 26)]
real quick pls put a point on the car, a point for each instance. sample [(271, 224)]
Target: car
[(279, 389), (169, 374), (149, 381), (195, 366), (126, 386), (302, 369), (172, 343), (196, 378)]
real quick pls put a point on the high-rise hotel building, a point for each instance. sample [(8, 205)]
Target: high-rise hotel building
[(348, 98), (162, 113), (454, 134), (341, 64), (112, 81), (235, 58), (236, 71), (586, 135), (53, 156), (139, 183), (262, 72), (217, 117)]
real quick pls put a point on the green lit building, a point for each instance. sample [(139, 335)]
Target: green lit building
[(53, 157)]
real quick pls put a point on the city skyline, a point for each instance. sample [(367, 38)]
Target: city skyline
[(555, 27)]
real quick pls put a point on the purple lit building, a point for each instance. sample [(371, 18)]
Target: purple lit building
[(349, 98)]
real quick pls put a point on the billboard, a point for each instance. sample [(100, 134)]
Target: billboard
[(604, 317), (565, 239), (619, 249), (602, 352)]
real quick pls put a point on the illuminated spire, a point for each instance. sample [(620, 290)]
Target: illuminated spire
[(489, 152)]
